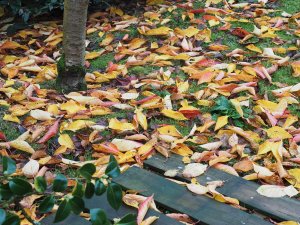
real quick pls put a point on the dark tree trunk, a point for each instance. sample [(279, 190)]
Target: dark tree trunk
[(71, 70)]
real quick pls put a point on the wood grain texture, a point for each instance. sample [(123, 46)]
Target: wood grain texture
[(177, 198), (281, 209)]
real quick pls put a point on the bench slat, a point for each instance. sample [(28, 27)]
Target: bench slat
[(281, 209), (177, 198)]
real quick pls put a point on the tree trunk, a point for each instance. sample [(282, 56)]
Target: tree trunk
[(71, 70)]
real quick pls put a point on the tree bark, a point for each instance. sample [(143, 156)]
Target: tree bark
[(71, 70)]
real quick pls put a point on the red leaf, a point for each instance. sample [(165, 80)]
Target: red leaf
[(2, 136), (51, 132), (240, 32)]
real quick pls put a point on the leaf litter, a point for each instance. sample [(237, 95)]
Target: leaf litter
[(217, 82)]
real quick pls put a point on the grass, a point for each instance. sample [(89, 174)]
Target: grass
[(284, 75), (10, 129), (142, 70), (49, 84), (183, 127), (101, 62)]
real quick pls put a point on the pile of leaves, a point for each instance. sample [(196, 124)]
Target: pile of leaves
[(217, 82)]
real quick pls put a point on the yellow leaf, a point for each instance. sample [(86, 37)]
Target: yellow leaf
[(158, 31), (189, 32), (267, 146), (169, 130), (107, 40), (115, 124), (295, 180), (288, 223), (296, 68), (273, 147), (155, 2), (60, 150), (53, 109), (237, 106), (93, 55), (78, 125), (11, 118), (21, 145), (278, 132), (289, 121), (141, 119), (146, 148), (221, 122), (72, 107), (173, 114), (253, 48), (183, 150), (65, 140)]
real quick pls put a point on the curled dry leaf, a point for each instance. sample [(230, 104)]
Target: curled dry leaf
[(40, 115), (124, 145), (274, 191), (194, 170), (197, 189), (149, 220), (171, 173), (143, 208), (31, 168)]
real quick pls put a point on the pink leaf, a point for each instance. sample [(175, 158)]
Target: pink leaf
[(143, 208)]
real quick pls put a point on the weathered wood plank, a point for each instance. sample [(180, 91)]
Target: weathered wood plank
[(281, 209), (175, 197), (101, 202)]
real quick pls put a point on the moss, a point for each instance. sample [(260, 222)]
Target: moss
[(265, 87), (294, 109), (49, 84), (142, 70), (194, 87), (101, 62), (70, 78)]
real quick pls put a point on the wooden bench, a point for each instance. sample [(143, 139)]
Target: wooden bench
[(176, 198)]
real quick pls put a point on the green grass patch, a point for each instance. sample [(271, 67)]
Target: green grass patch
[(183, 127), (101, 62), (10, 129), (284, 75), (142, 70)]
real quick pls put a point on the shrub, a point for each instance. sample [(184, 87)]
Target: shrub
[(27, 9)]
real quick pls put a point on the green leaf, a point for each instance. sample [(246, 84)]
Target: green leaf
[(100, 188), (114, 195), (89, 190), (129, 219), (78, 190), (19, 186), (40, 184), (87, 170), (112, 170), (98, 217), (9, 165), (47, 204), (77, 204), (60, 183), (2, 216), (63, 211), (5, 192), (11, 219)]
